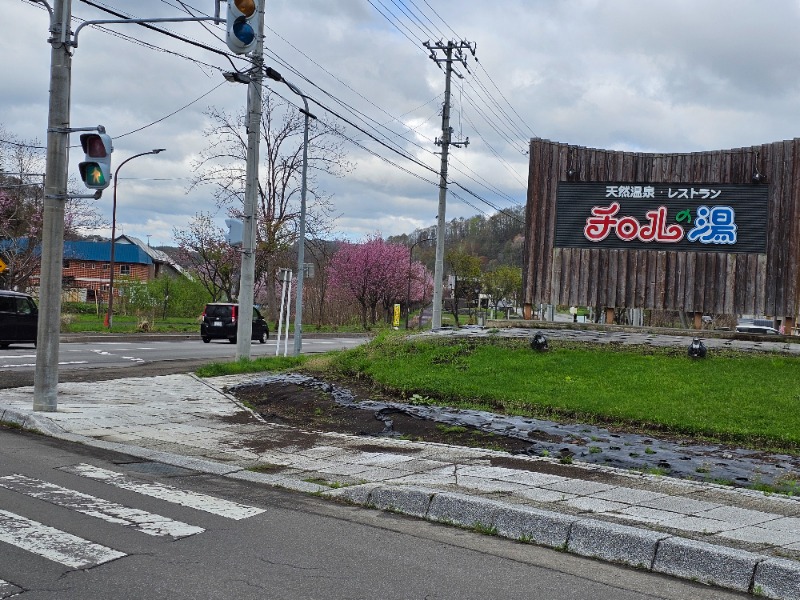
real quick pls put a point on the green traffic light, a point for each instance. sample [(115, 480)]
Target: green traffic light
[(92, 175)]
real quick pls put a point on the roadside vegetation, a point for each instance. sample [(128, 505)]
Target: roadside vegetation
[(751, 399)]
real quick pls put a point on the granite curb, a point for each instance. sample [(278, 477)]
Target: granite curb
[(706, 563)]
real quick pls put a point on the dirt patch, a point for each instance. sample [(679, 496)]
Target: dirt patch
[(550, 468), (314, 410)]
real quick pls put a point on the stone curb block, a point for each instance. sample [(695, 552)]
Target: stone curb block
[(530, 524), (357, 494), (777, 578), (467, 511), (615, 543), (700, 561), (407, 500), (32, 421)]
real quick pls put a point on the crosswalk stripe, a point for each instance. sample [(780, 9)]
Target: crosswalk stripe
[(209, 504), (141, 520), (7, 589), (53, 544)]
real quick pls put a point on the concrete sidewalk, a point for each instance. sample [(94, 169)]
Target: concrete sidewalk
[(736, 539)]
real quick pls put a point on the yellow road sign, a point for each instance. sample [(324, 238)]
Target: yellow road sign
[(3, 266)]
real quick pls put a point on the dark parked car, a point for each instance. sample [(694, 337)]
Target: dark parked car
[(220, 322), (19, 319)]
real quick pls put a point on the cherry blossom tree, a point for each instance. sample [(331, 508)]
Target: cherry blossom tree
[(375, 273)]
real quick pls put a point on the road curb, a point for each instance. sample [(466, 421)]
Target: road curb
[(652, 551), (615, 543), (707, 563), (777, 578)]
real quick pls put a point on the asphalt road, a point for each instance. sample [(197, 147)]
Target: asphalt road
[(218, 538), (136, 356)]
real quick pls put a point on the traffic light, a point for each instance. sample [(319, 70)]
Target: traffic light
[(96, 166), (242, 25)]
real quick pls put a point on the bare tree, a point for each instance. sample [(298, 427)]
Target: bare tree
[(210, 257), (222, 165)]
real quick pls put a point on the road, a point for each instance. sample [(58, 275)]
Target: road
[(82, 523), (137, 357)]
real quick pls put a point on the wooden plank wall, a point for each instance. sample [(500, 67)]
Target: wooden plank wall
[(706, 282)]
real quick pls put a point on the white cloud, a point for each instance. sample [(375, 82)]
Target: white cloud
[(661, 75)]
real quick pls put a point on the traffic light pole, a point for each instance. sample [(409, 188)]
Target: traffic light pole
[(45, 388), (244, 327)]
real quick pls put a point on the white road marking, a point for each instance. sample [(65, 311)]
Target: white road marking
[(7, 589), (141, 520), (210, 504), (53, 544), (69, 362), (133, 358)]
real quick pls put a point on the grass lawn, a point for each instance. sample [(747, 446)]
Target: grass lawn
[(80, 323), (749, 398)]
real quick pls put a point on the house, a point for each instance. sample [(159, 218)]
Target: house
[(87, 267)]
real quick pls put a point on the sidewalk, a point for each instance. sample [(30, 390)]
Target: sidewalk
[(737, 539)]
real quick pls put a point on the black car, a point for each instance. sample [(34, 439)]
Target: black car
[(220, 322), (19, 319)]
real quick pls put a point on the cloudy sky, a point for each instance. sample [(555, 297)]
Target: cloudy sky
[(652, 76)]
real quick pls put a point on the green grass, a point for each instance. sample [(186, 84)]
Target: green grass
[(742, 397), (91, 323), (257, 365)]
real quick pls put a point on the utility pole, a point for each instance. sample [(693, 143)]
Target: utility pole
[(450, 49), (45, 388), (244, 328)]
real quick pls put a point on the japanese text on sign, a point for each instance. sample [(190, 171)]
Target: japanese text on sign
[(677, 216)]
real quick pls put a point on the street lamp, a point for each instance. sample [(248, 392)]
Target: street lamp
[(408, 289), (110, 313), (301, 244)]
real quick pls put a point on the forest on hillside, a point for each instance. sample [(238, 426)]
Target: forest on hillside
[(496, 240)]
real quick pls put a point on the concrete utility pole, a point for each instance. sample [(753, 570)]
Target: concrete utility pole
[(445, 142), (45, 389), (244, 328)]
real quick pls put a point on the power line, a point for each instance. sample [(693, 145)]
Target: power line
[(175, 112)]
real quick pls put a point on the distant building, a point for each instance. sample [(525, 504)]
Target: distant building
[(87, 267)]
